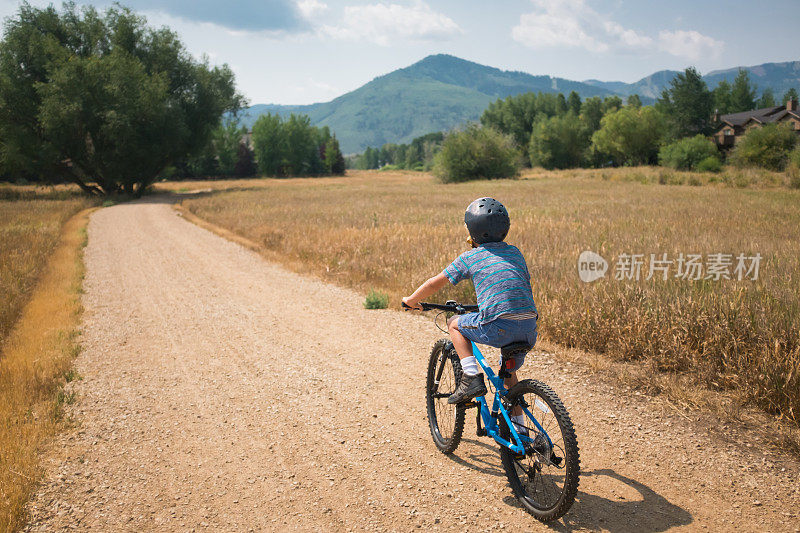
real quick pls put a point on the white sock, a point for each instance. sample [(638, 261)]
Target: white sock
[(519, 420), (470, 366)]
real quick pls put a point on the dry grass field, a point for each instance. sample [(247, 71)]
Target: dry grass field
[(391, 230), (40, 273), (30, 224)]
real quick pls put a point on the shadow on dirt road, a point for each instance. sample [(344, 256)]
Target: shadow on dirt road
[(649, 513)]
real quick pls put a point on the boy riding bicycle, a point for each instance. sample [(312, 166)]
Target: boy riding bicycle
[(507, 312)]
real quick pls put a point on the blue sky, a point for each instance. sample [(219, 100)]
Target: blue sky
[(304, 51)]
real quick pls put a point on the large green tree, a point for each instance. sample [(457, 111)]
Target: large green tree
[(269, 144), (302, 150), (574, 102), (592, 112), (631, 136), (102, 99), (721, 95), (688, 104), (767, 99), (334, 160), (634, 101), (743, 93), (225, 141)]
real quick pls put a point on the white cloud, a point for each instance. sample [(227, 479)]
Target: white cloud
[(573, 23), (546, 30), (311, 8), (627, 37), (384, 24), (689, 44)]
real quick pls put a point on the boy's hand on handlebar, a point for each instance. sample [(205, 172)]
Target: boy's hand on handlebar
[(409, 303)]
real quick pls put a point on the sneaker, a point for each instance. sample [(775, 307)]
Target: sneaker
[(470, 387)]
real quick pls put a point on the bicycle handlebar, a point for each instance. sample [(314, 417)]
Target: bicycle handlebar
[(451, 306)]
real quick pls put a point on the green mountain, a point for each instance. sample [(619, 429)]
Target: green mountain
[(442, 92), (437, 93)]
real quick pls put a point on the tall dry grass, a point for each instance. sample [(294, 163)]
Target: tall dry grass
[(738, 178), (41, 271), (30, 224), (390, 231)]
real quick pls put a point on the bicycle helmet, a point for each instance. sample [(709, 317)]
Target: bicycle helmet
[(487, 221)]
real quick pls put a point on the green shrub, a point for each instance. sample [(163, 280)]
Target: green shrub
[(767, 147), (688, 153), (391, 167), (376, 300), (709, 164), (476, 153)]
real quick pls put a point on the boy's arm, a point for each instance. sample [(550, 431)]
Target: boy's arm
[(432, 286)]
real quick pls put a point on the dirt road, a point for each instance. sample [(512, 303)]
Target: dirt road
[(225, 393)]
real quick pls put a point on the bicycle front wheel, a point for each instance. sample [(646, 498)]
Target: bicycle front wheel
[(545, 478), (446, 421)]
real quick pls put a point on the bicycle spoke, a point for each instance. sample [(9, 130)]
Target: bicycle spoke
[(545, 479), (446, 421)]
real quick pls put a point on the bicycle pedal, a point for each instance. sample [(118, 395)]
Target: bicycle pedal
[(470, 405)]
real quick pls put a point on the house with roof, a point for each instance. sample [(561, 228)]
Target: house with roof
[(733, 126)]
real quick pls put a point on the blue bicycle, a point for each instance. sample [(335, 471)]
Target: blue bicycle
[(540, 458)]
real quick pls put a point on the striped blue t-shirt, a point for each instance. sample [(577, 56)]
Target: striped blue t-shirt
[(501, 278)]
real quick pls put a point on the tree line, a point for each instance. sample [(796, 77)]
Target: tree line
[(416, 155), (293, 147), (280, 148), (556, 132)]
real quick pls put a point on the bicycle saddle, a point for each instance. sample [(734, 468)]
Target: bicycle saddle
[(515, 348)]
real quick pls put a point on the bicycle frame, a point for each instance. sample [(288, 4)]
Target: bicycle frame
[(490, 418)]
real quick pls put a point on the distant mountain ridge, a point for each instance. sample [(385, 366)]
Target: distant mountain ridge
[(648, 88), (780, 77), (442, 91)]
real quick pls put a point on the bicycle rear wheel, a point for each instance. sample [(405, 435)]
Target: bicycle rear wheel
[(545, 479), (446, 421)]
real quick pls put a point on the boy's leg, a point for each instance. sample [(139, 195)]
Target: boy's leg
[(471, 384), (462, 345)]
